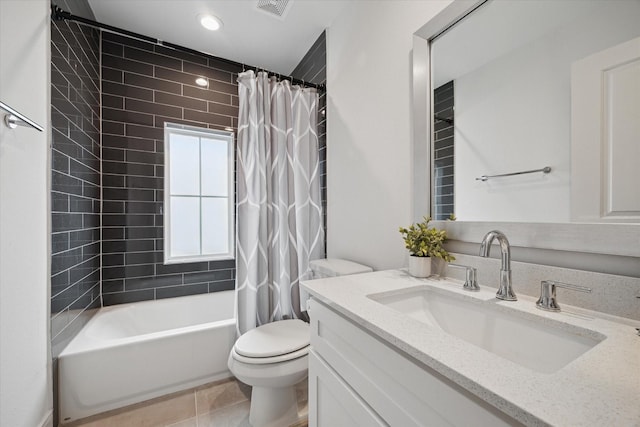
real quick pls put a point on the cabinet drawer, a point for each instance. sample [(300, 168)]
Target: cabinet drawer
[(401, 390)]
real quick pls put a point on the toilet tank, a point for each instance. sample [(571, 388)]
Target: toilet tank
[(331, 267)]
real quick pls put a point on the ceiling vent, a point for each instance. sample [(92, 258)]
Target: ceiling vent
[(276, 8)]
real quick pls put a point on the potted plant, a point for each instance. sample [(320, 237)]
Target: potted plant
[(424, 243)]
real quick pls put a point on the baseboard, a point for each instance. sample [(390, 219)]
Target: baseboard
[(47, 421)]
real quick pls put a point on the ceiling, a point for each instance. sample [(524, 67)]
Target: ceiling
[(249, 35)]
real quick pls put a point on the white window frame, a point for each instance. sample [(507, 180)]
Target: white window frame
[(173, 128)]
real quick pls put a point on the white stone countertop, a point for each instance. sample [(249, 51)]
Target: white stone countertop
[(599, 388)]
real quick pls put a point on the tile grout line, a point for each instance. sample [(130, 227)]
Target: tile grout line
[(195, 397)]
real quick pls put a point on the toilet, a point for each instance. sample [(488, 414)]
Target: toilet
[(273, 358)]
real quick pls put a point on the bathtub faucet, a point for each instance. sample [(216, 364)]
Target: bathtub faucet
[(505, 291)]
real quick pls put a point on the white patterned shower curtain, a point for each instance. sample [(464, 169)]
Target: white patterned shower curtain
[(279, 213)]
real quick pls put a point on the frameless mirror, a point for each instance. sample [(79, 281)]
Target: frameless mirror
[(511, 81)]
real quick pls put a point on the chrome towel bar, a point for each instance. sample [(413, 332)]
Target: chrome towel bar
[(545, 169), (14, 118)]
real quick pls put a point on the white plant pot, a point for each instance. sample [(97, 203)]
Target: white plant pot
[(420, 266)]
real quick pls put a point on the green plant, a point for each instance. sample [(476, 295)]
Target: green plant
[(423, 241)]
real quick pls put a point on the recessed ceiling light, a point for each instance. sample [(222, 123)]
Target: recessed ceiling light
[(201, 81), (210, 22)]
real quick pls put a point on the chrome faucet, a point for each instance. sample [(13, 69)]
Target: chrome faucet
[(505, 292)]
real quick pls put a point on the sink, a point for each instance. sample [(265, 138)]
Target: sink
[(534, 342)]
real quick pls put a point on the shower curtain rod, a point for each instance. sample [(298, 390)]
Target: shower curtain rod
[(57, 14)]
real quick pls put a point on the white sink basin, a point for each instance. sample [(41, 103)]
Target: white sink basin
[(531, 341)]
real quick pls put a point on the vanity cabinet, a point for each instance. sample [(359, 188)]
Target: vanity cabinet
[(335, 402), (356, 379)]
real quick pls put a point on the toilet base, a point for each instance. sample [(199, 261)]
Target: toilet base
[(273, 407)]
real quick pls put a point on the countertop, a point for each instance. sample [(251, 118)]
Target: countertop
[(601, 387)]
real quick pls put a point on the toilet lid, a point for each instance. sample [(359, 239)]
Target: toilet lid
[(274, 339)]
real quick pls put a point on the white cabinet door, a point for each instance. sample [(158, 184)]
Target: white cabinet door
[(332, 402), (605, 135)]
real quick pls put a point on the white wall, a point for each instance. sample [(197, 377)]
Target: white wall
[(25, 371), (515, 114), (369, 129)]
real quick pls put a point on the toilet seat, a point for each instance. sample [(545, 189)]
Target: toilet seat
[(274, 342), (274, 359)]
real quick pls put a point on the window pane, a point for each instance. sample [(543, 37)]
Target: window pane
[(185, 164), (214, 167), (215, 226), (198, 225), (185, 226)]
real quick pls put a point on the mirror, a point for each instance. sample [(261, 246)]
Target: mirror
[(502, 103)]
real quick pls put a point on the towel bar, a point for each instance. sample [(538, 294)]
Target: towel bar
[(14, 118)]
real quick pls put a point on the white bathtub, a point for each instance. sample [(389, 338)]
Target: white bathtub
[(133, 352)]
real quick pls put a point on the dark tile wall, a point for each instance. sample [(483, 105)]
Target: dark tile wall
[(75, 180), (144, 86), (313, 68), (443, 160)]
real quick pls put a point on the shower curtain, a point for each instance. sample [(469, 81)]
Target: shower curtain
[(279, 214)]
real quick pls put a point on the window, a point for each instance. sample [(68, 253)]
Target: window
[(198, 194)]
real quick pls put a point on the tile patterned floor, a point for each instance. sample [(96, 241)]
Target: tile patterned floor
[(220, 404)]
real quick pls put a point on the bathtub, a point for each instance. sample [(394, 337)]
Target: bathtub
[(133, 352)]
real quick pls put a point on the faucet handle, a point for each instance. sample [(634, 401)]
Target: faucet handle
[(547, 300), (471, 279)]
